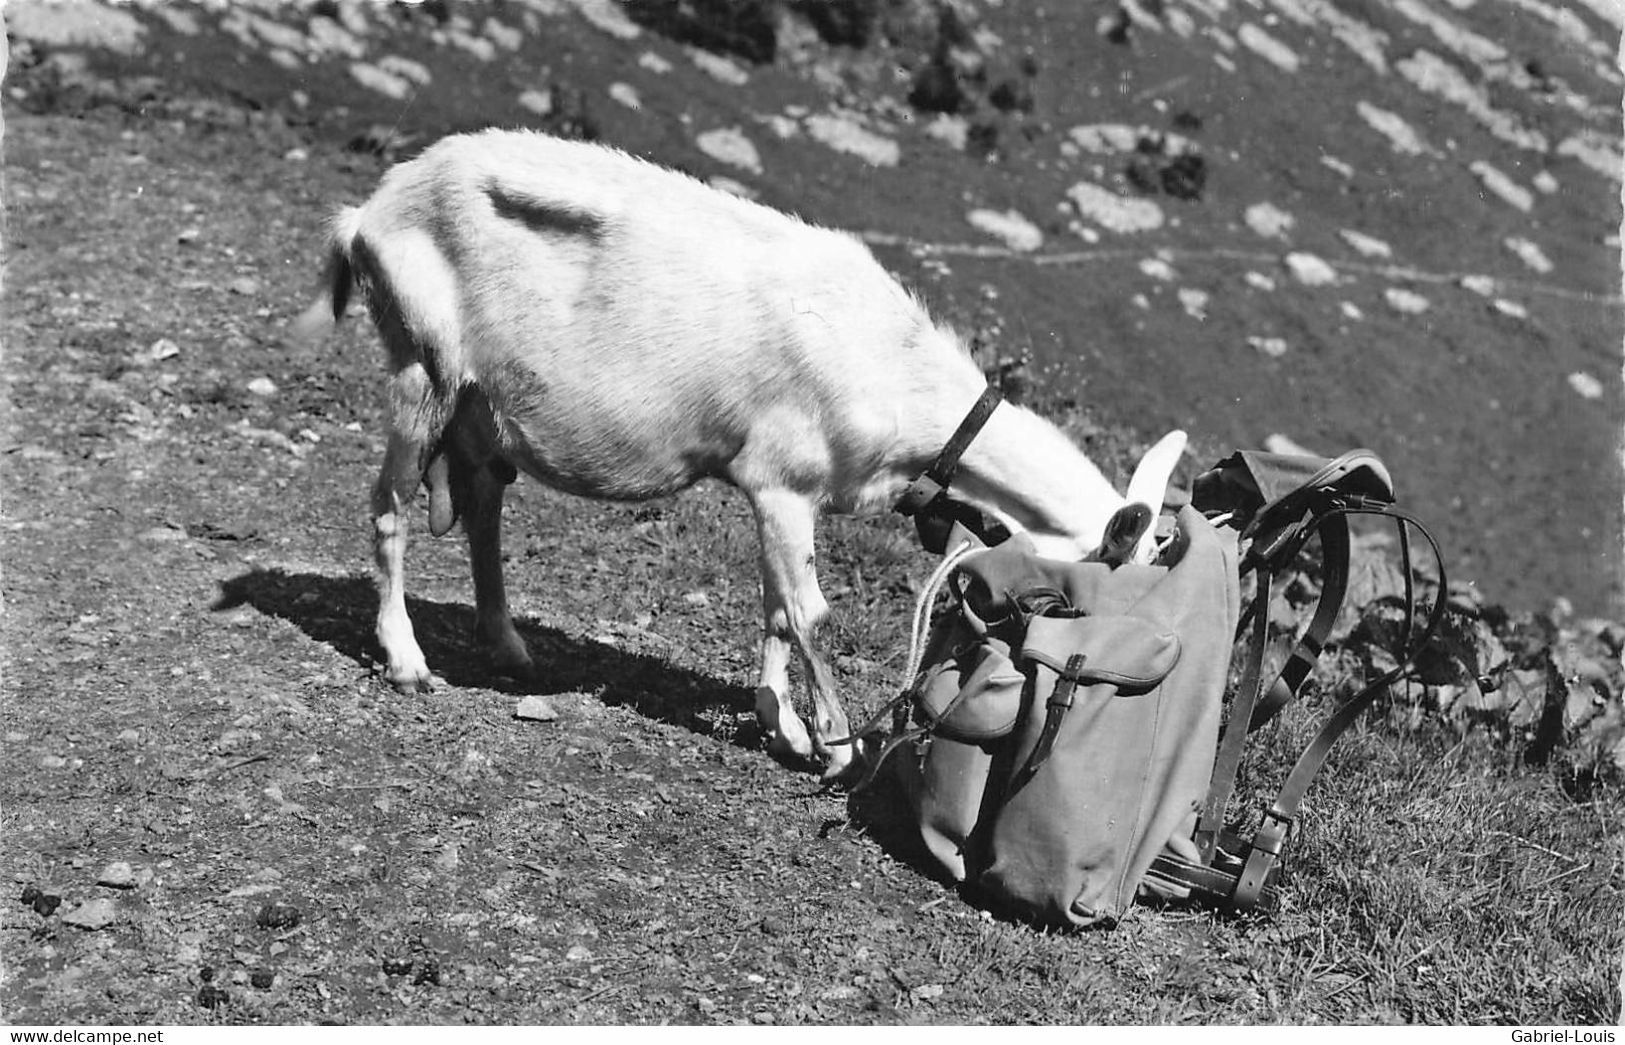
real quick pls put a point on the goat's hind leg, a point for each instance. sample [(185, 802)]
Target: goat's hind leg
[(478, 478), (417, 418)]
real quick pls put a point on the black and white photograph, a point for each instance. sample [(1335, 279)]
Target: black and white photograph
[(812, 514)]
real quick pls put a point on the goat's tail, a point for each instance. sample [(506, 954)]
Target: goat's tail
[(338, 278)]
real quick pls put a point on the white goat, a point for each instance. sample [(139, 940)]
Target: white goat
[(619, 330)]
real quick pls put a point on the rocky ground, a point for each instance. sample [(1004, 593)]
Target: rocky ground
[(1387, 223)]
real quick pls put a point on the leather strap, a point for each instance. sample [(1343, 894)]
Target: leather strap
[(936, 479), (1059, 703), (1211, 820)]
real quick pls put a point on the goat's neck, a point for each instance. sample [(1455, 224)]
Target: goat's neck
[(1023, 467)]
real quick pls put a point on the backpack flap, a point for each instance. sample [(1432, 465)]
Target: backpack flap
[(1131, 744)]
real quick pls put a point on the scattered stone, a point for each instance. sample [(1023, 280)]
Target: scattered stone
[(1351, 310), (1274, 347), (1405, 301), (162, 349), (1586, 385), (406, 69), (1502, 186), (375, 79), (843, 133), (1194, 302), (626, 94), (608, 16), (718, 67), (1113, 212), (538, 102), (927, 992), (654, 63), (952, 131), (211, 997), (1269, 221), (729, 145), (91, 915), (262, 386), (1529, 253), (53, 762), (1158, 269), (1546, 182), (1402, 138), (188, 236), (1345, 169), (247, 286), (1596, 152), (42, 902), (1310, 270), (577, 953), (277, 916), (118, 875), (1267, 47), (1259, 281), (1366, 246), (1509, 308), (535, 708), (262, 979), (1010, 227), (1484, 286)]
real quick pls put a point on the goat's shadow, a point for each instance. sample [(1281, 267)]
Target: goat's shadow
[(339, 612)]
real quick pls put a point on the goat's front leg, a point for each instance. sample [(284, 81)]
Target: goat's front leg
[(792, 608)]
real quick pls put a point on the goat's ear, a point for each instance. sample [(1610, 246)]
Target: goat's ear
[(1149, 486)]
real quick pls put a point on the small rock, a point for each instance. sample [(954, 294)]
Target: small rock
[(53, 762), (729, 145), (1157, 268), (262, 386), (626, 94), (162, 349), (578, 953), (247, 286), (1483, 286), (1529, 253), (117, 875), (1259, 281), (534, 708), (1407, 302), (1268, 220), (1194, 302), (277, 916), (91, 915), (1281, 444), (188, 236), (1586, 385), (927, 992), (1014, 230), (1367, 246), (697, 598), (1310, 270), (1274, 347), (1509, 308)]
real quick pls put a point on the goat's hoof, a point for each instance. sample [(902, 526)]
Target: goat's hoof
[(411, 683), (786, 736), (843, 767)]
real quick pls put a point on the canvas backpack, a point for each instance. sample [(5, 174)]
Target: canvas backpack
[(1066, 743)]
